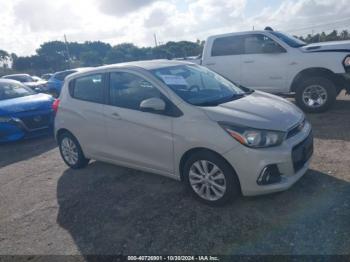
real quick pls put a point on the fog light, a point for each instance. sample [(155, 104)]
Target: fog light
[(269, 175)]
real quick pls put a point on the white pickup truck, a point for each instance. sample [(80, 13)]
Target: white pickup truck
[(277, 63)]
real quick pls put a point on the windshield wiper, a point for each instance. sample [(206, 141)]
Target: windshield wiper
[(222, 100)]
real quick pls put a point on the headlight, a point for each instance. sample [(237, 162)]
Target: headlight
[(252, 137), (5, 119), (347, 61)]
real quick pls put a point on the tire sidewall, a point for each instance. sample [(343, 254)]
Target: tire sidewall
[(82, 161), (232, 183), (321, 81)]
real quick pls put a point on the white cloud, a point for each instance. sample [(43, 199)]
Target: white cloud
[(25, 24), (41, 15), (122, 7)]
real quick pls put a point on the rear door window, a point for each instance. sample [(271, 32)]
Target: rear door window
[(229, 45)]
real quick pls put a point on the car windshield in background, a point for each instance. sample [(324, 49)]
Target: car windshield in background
[(198, 85), (14, 90), (289, 40), (20, 78)]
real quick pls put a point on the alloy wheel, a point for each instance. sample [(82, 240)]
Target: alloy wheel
[(207, 180), (69, 151)]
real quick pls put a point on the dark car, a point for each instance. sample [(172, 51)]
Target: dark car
[(55, 83), (23, 113)]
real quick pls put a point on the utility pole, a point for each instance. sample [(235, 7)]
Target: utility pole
[(67, 49), (155, 40)]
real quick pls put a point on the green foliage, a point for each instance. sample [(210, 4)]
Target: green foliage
[(54, 56), (323, 37)]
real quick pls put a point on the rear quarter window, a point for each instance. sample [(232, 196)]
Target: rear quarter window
[(88, 88)]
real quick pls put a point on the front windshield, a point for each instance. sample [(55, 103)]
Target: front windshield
[(13, 90), (198, 85), (288, 39)]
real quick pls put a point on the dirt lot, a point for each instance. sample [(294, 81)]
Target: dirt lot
[(46, 208)]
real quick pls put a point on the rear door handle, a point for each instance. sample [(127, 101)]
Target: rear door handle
[(249, 61)]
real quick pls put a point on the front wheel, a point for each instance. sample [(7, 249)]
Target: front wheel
[(210, 178), (316, 94)]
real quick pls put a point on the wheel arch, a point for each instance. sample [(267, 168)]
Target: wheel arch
[(191, 151), (61, 131), (315, 72)]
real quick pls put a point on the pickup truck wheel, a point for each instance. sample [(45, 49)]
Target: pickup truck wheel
[(316, 94)]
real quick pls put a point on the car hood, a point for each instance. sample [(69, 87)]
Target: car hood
[(257, 110), (26, 103), (335, 46)]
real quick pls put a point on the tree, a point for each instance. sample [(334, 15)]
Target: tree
[(4, 58), (91, 58)]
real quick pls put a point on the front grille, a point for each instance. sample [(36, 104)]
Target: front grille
[(295, 130), (37, 121), (302, 153)]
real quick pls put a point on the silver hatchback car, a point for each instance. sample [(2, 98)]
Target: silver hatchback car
[(186, 122)]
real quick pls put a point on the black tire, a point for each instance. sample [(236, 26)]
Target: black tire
[(81, 161), (231, 179), (323, 82)]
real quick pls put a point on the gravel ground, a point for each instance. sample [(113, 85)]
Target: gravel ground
[(47, 208)]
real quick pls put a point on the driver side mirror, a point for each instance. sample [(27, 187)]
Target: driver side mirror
[(152, 104)]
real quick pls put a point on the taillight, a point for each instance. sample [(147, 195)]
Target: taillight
[(55, 105)]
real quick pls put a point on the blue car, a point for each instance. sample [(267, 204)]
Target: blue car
[(23, 113), (55, 82)]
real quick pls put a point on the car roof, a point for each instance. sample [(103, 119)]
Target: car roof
[(240, 33), (16, 75), (4, 80), (147, 64), (79, 69)]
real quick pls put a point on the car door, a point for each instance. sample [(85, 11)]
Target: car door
[(84, 112), (138, 138), (263, 64), (225, 57)]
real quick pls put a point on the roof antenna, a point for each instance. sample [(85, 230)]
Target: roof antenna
[(268, 28)]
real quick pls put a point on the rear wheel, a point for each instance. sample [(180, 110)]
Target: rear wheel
[(316, 94), (210, 178), (71, 151)]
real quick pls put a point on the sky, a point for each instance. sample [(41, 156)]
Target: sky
[(25, 24)]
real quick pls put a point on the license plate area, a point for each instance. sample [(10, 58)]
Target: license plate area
[(302, 153)]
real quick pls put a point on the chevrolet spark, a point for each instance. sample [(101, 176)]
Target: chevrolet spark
[(185, 122)]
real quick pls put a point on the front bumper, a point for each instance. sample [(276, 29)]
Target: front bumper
[(343, 81), (249, 163), (16, 129)]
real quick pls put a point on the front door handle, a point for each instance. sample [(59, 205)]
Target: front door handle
[(210, 64), (249, 61)]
